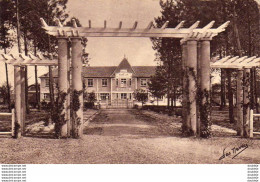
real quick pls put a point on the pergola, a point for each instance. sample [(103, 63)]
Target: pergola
[(243, 66), (196, 57), (19, 62)]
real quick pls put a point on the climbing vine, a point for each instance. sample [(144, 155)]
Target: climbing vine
[(16, 129), (203, 99), (57, 115), (186, 130), (75, 106), (203, 103)]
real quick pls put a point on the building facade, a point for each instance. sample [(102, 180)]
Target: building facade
[(112, 85), (117, 83)]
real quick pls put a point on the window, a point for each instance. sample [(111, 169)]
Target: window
[(90, 82), (46, 96), (123, 82), (130, 82), (47, 82), (143, 82), (123, 96), (130, 96), (104, 82), (104, 96), (116, 82)]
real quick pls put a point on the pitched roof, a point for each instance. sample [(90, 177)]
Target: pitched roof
[(109, 71), (98, 71), (144, 71), (124, 65)]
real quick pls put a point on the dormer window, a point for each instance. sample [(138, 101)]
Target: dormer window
[(123, 71)]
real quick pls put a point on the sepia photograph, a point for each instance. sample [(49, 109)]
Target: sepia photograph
[(129, 82)]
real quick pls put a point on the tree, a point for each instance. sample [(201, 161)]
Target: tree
[(244, 17), (141, 96), (4, 93), (6, 40), (158, 83), (91, 97), (34, 36)]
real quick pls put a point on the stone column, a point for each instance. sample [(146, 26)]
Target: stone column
[(240, 130), (63, 77), (198, 86), (185, 123), (77, 84), (18, 104), (192, 88), (246, 109), (23, 100), (204, 92), (69, 124)]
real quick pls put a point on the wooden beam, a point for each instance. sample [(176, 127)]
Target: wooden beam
[(252, 60), (40, 56), (29, 60), (222, 27), (177, 32), (125, 32), (239, 60), (190, 33), (74, 23), (89, 23), (208, 26), (228, 61), (221, 61), (31, 56), (205, 33), (6, 57), (44, 24), (120, 25), (237, 63), (5, 114), (180, 25), (105, 24), (165, 25), (150, 25), (5, 133), (58, 23), (135, 25), (195, 25)]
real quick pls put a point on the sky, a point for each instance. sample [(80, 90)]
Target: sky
[(110, 51), (107, 51)]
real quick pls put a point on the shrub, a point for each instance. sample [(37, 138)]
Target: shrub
[(89, 105)]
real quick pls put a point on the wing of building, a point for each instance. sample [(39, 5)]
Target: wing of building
[(109, 83)]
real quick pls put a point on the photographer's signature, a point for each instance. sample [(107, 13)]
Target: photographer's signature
[(233, 152)]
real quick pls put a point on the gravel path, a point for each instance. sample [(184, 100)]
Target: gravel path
[(127, 136)]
